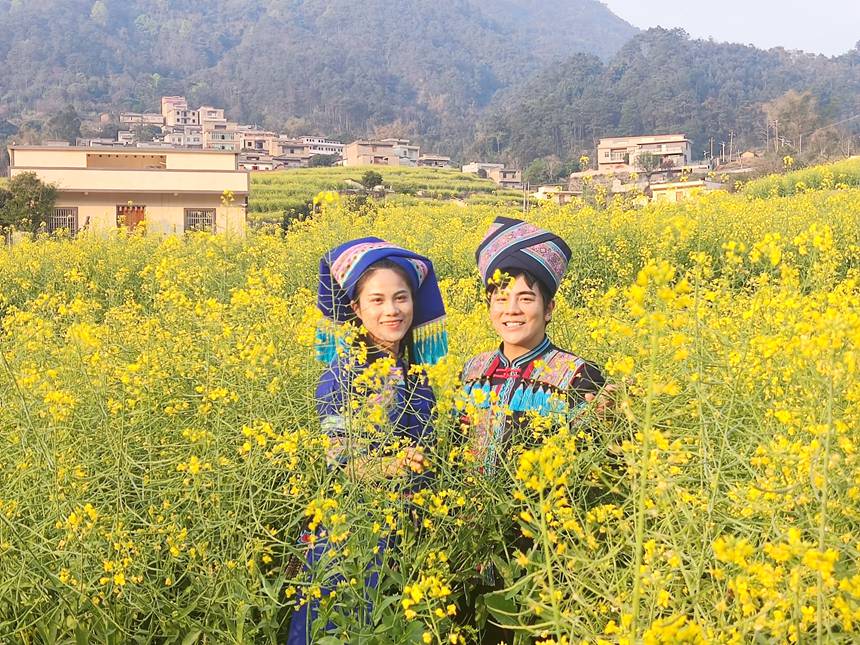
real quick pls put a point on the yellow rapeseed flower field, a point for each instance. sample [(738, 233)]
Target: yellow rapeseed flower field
[(160, 449)]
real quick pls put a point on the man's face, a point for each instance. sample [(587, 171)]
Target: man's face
[(519, 315)]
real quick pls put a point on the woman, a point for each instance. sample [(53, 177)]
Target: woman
[(393, 295)]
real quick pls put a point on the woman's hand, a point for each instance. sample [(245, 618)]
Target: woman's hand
[(414, 459)]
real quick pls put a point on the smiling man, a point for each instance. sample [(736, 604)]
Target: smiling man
[(521, 266)]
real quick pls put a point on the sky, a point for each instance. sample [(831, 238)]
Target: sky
[(830, 27)]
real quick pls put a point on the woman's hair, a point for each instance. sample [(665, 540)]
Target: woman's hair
[(406, 345), (384, 263), (512, 274)]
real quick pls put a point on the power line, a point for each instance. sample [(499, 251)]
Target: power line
[(850, 118)]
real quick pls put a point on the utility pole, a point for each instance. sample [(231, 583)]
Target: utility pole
[(711, 140), (776, 134), (722, 151), (731, 144)]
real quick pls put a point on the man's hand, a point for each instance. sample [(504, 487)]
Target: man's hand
[(604, 400)]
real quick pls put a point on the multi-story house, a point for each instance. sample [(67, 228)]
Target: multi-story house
[(219, 135), (434, 161), (507, 177), (259, 141), (504, 177), (175, 111), (384, 152), (171, 190), (188, 136), (621, 154), (141, 118), (322, 146)]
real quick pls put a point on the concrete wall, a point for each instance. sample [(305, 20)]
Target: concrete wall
[(165, 213)]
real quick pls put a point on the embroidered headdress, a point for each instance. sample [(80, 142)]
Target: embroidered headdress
[(340, 270), (514, 244)]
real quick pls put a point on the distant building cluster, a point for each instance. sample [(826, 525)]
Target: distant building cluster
[(208, 128)]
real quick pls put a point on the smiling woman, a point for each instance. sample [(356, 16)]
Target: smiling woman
[(376, 410)]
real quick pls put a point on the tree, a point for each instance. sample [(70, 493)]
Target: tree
[(371, 179), (537, 173), (29, 200), (648, 162), (99, 13), (65, 125), (5, 196), (320, 161)]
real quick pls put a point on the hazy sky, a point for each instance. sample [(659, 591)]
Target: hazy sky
[(820, 26)]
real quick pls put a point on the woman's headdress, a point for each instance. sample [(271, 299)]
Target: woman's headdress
[(340, 270)]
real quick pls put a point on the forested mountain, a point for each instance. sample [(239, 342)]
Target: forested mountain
[(663, 81), (410, 67)]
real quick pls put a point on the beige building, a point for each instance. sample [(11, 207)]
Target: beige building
[(141, 118), (175, 111), (384, 152), (678, 191), (506, 177), (434, 161), (171, 190), (251, 160), (185, 136), (221, 135), (259, 141), (322, 146), (621, 154)]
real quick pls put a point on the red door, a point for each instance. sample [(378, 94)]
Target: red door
[(130, 215)]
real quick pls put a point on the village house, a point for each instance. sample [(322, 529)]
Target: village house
[(185, 136), (504, 177), (434, 161), (384, 152), (174, 110), (678, 191), (141, 118), (253, 160), (322, 146), (621, 154), (259, 141), (172, 190)]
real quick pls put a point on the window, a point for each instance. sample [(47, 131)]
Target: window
[(64, 219), (200, 219)]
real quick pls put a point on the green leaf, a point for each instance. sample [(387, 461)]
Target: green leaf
[(81, 636), (502, 608), (329, 640), (191, 637)]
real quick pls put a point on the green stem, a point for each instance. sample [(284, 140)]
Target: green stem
[(822, 512), (643, 481)]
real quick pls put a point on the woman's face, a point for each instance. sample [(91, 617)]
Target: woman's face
[(385, 308)]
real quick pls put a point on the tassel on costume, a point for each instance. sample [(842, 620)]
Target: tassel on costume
[(430, 342)]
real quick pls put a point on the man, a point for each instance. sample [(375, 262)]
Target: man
[(527, 377), (522, 266)]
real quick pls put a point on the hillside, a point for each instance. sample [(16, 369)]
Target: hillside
[(662, 80), (275, 193), (332, 66)]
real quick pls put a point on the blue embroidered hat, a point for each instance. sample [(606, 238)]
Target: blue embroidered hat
[(514, 244), (340, 270)]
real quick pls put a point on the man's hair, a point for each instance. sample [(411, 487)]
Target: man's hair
[(511, 274)]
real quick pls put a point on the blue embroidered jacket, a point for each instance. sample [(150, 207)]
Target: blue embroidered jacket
[(546, 381)]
